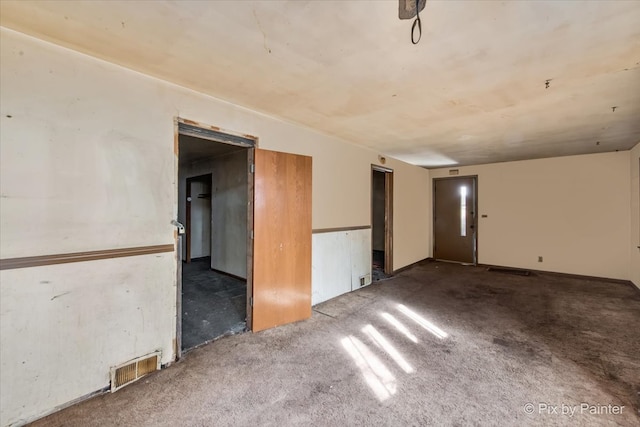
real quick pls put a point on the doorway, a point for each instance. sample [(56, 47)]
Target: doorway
[(454, 219), (260, 233), (381, 222), (198, 217), (213, 194)]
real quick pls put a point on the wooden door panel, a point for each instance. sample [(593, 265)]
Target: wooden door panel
[(282, 239)]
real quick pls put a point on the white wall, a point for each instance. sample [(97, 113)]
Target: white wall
[(87, 162), (63, 326), (340, 259), (634, 261), (573, 211)]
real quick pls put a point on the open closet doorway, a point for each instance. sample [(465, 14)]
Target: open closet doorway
[(213, 199), (381, 222)]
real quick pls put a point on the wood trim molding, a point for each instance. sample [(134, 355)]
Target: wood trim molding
[(338, 229), (37, 261)]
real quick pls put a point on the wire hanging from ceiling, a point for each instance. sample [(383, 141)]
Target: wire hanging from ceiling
[(410, 9), (417, 22)]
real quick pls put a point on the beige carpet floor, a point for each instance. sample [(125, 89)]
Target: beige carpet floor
[(438, 344)]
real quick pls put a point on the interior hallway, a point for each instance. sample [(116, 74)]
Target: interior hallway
[(439, 343), (213, 304)]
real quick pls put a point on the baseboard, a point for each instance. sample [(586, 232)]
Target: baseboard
[(224, 273), (552, 273), (70, 403), (568, 275), (407, 267)]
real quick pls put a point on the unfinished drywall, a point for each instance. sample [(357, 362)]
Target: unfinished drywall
[(573, 211), (88, 162), (377, 210), (229, 218), (635, 216)]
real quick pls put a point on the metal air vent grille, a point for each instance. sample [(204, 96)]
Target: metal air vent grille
[(134, 370)]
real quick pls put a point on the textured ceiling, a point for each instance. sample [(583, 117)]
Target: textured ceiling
[(472, 91)]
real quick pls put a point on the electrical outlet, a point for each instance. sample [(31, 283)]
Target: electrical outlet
[(362, 281), (539, 259)]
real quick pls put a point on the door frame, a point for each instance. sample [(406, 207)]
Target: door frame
[(233, 139), (388, 215), (474, 178)]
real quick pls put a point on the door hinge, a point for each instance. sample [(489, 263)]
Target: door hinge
[(252, 168), (251, 301), (251, 234)]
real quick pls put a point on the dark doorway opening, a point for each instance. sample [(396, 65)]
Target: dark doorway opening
[(213, 195), (381, 223)]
